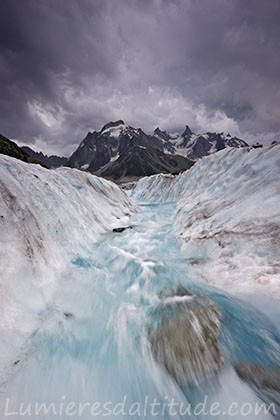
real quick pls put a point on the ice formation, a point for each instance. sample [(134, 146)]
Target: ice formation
[(47, 219), (228, 216)]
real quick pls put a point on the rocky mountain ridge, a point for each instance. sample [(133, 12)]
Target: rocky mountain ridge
[(119, 151)]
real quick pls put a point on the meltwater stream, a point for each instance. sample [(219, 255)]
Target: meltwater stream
[(92, 349)]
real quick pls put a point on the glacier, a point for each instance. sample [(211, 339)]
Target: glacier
[(228, 217), (49, 220), (78, 300)]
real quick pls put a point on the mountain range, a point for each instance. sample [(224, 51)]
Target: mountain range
[(49, 161), (120, 151), (10, 148)]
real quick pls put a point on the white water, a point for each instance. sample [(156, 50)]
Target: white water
[(100, 353)]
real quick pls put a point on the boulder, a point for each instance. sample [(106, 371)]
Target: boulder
[(185, 337), (121, 229), (258, 376)]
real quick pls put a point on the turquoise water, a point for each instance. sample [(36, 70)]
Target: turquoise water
[(92, 344)]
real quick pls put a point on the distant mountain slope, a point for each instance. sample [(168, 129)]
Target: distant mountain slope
[(195, 146), (49, 161), (10, 148)]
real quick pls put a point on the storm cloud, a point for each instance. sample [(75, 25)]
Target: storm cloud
[(70, 66)]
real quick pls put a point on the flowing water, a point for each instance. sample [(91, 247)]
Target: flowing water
[(92, 346)]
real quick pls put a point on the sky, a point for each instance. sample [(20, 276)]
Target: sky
[(70, 66)]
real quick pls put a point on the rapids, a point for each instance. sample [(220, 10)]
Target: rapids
[(92, 342)]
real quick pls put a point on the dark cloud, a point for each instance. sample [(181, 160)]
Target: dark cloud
[(69, 66)]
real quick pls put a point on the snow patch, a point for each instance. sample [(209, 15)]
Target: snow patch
[(115, 131), (114, 158), (85, 166)]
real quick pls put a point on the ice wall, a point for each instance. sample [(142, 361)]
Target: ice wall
[(228, 216), (156, 188), (48, 219)]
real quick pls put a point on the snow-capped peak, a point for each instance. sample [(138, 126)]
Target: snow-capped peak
[(162, 135), (114, 129), (188, 132)]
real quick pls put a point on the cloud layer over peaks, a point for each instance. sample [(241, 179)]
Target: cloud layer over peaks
[(67, 67)]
